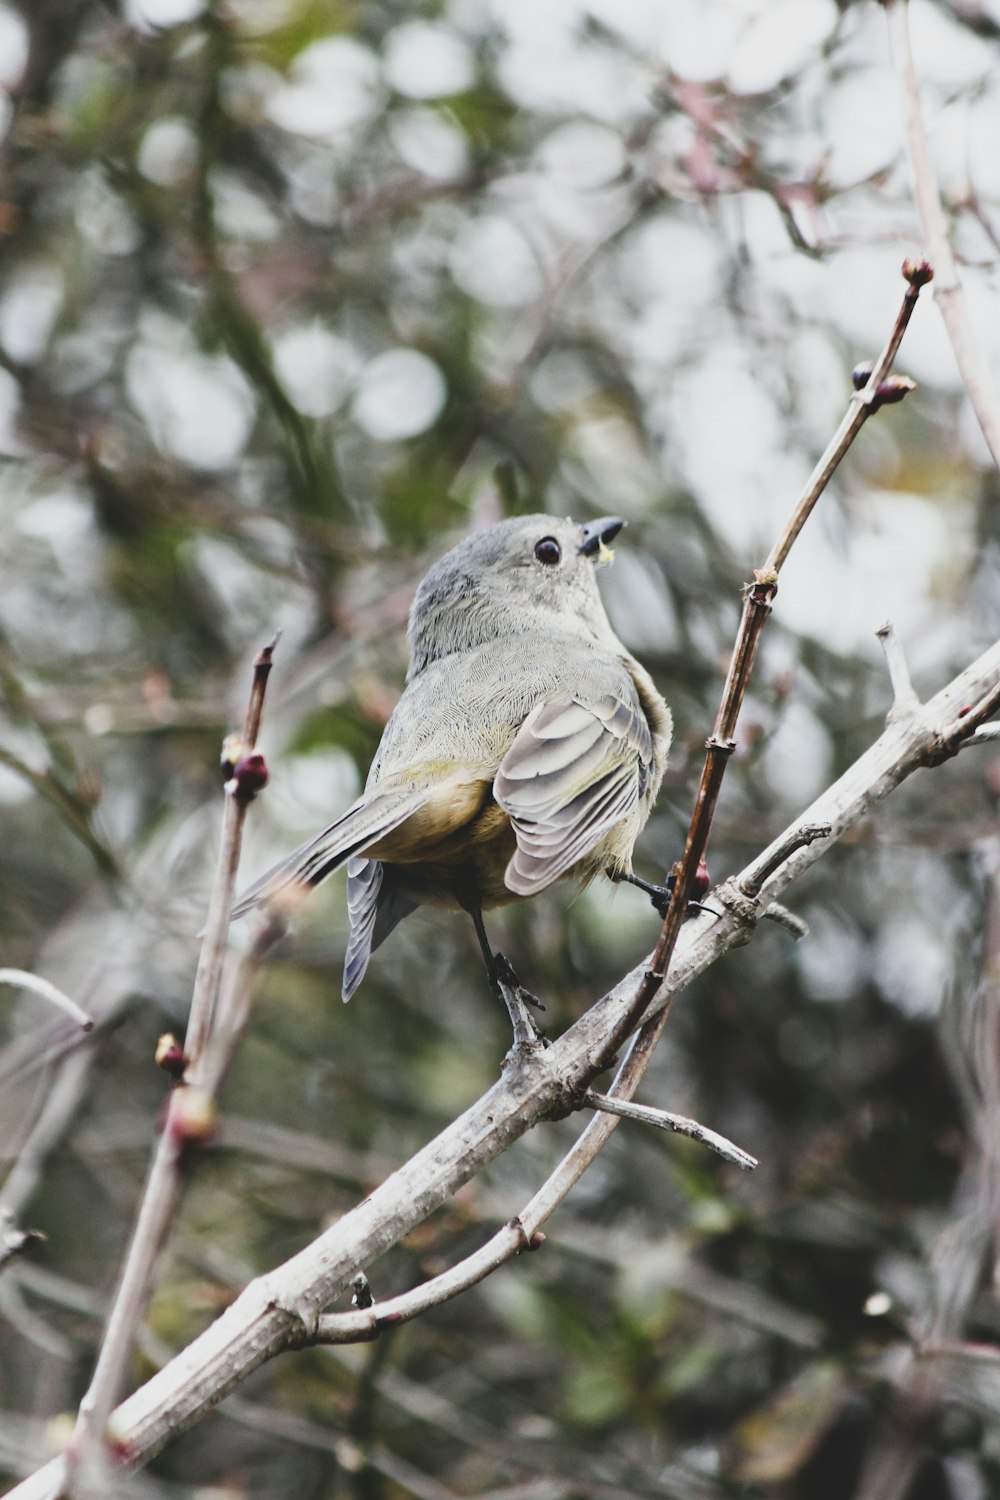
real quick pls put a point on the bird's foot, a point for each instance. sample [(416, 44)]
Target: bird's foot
[(507, 976), (527, 1033), (660, 895)]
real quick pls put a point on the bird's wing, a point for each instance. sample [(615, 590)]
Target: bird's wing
[(577, 766), (357, 829)]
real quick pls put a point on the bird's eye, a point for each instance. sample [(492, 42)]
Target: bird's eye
[(548, 551)]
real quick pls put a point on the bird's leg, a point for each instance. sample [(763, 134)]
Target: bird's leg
[(507, 987), (659, 895)]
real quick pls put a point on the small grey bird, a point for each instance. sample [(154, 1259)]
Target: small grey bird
[(527, 747)]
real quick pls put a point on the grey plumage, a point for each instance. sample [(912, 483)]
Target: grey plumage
[(528, 746)]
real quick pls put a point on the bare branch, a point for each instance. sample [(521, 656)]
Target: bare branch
[(663, 1120), (190, 1113)]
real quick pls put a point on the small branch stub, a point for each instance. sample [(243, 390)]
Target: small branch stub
[(904, 700)]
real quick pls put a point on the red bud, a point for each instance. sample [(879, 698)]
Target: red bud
[(250, 776)]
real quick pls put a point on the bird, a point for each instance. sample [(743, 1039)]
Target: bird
[(527, 747)]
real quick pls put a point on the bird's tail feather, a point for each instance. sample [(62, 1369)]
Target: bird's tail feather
[(357, 829)]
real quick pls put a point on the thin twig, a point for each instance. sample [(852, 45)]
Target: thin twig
[(21, 979), (68, 805), (190, 1120), (949, 295), (663, 1119), (213, 948), (758, 597), (368, 1323), (864, 403)]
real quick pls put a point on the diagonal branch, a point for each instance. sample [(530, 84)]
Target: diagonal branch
[(877, 387)]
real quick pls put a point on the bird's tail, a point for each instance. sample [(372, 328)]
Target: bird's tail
[(361, 826)]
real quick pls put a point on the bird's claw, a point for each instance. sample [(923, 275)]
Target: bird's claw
[(507, 976), (527, 1034)]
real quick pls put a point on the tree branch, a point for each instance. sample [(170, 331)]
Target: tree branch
[(189, 1116), (282, 1309)]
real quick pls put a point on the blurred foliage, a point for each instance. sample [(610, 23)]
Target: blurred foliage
[(292, 294)]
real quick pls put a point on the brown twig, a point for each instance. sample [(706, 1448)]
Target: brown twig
[(236, 753), (189, 1117), (757, 601)]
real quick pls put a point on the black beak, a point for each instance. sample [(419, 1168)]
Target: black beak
[(597, 534)]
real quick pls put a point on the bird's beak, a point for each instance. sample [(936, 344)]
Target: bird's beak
[(596, 536)]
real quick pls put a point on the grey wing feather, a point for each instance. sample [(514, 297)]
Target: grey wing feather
[(575, 769), (361, 826), (375, 905)]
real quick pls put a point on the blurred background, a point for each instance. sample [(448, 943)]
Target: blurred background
[(294, 293)]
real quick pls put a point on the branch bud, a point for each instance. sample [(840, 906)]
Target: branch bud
[(892, 390), (232, 754), (918, 271), (170, 1055), (192, 1120), (250, 776)]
